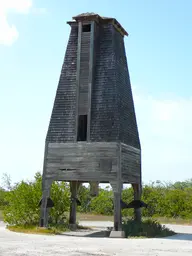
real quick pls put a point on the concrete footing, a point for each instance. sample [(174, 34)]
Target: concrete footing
[(117, 234)]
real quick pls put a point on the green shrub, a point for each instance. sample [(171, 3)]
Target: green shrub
[(103, 203), (127, 197), (23, 200), (20, 202), (146, 228), (3, 201), (60, 194), (84, 198)]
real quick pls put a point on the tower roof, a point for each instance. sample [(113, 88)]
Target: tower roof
[(94, 16)]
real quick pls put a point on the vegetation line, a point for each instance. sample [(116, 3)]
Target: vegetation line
[(168, 203)]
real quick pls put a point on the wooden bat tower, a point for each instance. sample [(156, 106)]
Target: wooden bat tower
[(93, 134)]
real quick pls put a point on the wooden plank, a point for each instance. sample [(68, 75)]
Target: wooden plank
[(90, 80), (78, 75), (84, 74), (132, 149), (82, 176), (130, 180), (85, 159), (80, 145)]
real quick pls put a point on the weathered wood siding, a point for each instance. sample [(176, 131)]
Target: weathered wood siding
[(82, 161), (84, 73), (112, 111), (128, 130), (112, 107), (130, 164), (104, 106), (94, 81), (62, 126)]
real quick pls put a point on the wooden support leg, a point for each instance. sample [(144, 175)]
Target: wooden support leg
[(74, 186), (117, 230), (117, 189), (44, 210), (117, 212), (94, 188), (137, 196)]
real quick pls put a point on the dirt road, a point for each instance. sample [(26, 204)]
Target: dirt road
[(39, 245)]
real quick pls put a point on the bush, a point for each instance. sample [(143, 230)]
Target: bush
[(103, 203), (146, 228), (60, 194), (127, 197), (85, 199), (23, 200), (168, 201), (20, 202), (3, 201)]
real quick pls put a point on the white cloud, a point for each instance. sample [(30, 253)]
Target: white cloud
[(8, 32), (165, 127)]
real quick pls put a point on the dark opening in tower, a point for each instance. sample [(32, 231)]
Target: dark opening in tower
[(86, 28), (82, 128)]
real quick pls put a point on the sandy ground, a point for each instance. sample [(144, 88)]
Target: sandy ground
[(18, 244)]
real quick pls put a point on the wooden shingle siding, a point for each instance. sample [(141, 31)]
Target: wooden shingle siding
[(94, 81), (62, 121), (104, 108), (128, 132)]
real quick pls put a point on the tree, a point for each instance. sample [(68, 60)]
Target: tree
[(22, 208), (3, 201), (103, 203), (60, 194), (24, 197), (6, 181)]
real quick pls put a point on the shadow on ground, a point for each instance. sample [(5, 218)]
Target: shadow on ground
[(180, 236), (105, 233), (98, 233), (90, 233)]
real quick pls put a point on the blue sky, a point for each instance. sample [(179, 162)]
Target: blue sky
[(33, 38)]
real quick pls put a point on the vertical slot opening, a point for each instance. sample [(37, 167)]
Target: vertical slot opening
[(86, 28), (82, 128)]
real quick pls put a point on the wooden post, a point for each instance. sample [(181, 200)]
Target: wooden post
[(117, 188), (44, 211), (117, 212), (74, 186), (94, 188), (137, 196)]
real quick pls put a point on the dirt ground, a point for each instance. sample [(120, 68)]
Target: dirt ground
[(85, 244)]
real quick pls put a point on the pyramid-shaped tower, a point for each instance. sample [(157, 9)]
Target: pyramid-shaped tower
[(93, 134)]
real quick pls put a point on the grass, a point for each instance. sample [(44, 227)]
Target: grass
[(34, 230), (42, 231), (147, 228), (93, 217), (162, 220), (176, 221)]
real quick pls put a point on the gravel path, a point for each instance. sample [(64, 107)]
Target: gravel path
[(18, 244)]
